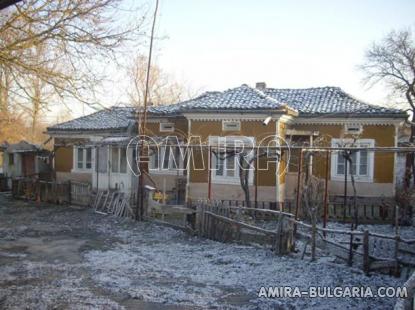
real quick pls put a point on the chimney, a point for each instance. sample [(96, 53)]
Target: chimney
[(260, 85)]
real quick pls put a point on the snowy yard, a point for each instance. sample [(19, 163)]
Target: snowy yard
[(67, 258)]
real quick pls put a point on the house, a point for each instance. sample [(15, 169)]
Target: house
[(24, 159), (97, 149)]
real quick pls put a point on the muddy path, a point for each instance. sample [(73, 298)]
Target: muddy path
[(41, 258)]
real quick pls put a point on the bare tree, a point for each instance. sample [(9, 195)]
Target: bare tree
[(53, 50), (162, 88), (78, 34), (246, 158), (392, 61)]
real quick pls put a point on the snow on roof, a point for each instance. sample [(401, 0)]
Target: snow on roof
[(307, 101), (323, 100), (113, 118), (242, 98), (22, 147), (328, 101)]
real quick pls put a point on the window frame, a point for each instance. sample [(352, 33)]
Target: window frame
[(84, 161), (162, 125), (229, 141), (370, 160), (120, 151), (347, 128), (11, 159), (161, 157), (225, 122)]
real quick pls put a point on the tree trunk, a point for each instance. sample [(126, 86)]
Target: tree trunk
[(36, 106), (244, 178)]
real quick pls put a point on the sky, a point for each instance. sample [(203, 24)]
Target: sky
[(219, 44)]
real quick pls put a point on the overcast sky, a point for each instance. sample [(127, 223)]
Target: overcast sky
[(219, 44)]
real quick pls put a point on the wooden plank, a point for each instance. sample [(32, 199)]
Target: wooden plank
[(241, 224)]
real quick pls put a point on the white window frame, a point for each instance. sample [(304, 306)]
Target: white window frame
[(120, 150), (225, 123), (370, 160), (347, 128), (226, 178), (161, 154), (166, 127), (84, 155)]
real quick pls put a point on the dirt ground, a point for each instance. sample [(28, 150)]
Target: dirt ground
[(56, 257)]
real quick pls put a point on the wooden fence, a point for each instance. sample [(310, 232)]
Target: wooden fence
[(229, 224), (367, 250), (80, 194), (368, 212), (53, 192), (4, 186)]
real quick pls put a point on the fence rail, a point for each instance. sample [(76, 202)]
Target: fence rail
[(375, 212), (229, 224), (54, 192), (367, 250)]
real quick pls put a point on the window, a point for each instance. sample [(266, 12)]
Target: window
[(353, 129), (166, 127), (362, 161), (118, 160), (11, 159), (83, 158), (231, 125), (225, 166), (167, 160)]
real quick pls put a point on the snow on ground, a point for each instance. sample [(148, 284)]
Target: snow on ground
[(57, 257), (167, 266), (378, 247)]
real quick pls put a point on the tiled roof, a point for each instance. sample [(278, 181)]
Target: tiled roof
[(326, 100), (242, 98), (114, 118), (307, 101)]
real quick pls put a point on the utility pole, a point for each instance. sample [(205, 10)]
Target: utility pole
[(142, 119)]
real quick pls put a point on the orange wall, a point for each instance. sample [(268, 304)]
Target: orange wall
[(256, 129), (383, 136)]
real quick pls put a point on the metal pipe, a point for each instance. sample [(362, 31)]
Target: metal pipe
[(210, 173), (298, 198), (345, 187), (256, 183), (326, 192), (385, 149)]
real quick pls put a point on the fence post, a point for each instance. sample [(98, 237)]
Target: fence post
[(397, 238), (396, 270), (350, 258), (278, 236), (38, 191), (198, 219), (69, 192), (313, 240), (366, 258)]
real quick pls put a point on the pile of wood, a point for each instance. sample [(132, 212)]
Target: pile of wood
[(113, 202)]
